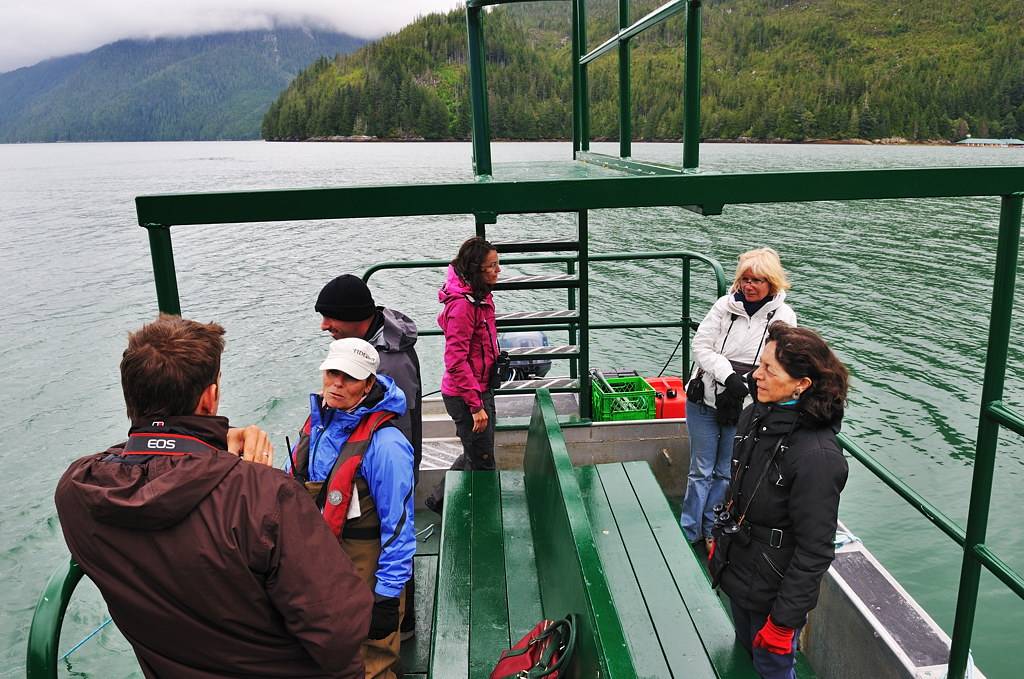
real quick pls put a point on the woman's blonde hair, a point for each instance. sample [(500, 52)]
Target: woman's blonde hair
[(763, 263)]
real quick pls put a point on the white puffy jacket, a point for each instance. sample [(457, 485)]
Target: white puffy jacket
[(743, 343)]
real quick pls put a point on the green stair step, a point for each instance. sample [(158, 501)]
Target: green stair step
[(552, 384), (517, 318), (539, 245), (538, 282), (562, 351)]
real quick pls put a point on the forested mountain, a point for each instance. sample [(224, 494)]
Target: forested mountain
[(207, 87), (772, 69)]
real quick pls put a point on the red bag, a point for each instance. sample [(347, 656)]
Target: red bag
[(545, 651)]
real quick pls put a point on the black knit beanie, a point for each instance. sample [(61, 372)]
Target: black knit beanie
[(346, 298)]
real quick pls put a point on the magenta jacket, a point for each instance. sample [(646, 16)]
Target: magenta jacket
[(470, 341)]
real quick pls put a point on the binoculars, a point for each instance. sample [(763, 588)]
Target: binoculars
[(726, 525), (724, 520)]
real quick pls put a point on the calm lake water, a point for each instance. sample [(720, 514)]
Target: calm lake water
[(901, 289)]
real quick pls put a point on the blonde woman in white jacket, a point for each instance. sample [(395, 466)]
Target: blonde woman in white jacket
[(726, 348)]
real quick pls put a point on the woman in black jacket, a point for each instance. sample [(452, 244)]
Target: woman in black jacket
[(774, 538)]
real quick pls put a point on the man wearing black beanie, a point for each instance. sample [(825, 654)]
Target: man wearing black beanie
[(348, 310), (346, 298)]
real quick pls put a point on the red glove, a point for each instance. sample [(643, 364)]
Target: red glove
[(774, 638), (711, 550)]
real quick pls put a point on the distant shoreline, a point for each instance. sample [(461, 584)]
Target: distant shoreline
[(897, 141), (890, 141)]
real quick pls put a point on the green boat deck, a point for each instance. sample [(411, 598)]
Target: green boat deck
[(597, 541)]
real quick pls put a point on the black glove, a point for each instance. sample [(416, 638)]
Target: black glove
[(729, 403), (384, 620), (736, 387), (727, 409)]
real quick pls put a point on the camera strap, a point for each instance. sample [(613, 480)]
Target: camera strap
[(744, 368), (760, 345), (725, 339), (165, 443), (780, 447), (501, 371), (697, 395)]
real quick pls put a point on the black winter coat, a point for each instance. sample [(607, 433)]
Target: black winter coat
[(799, 495)]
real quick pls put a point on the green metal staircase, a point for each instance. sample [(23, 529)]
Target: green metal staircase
[(576, 279), (573, 318)]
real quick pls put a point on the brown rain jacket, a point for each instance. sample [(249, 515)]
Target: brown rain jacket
[(211, 566)]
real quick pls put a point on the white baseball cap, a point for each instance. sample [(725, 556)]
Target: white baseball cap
[(355, 357)]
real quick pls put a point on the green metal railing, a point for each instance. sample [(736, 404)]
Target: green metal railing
[(621, 40), (580, 366), (621, 43), (44, 633), (994, 413)]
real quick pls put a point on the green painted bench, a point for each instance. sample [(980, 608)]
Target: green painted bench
[(599, 541)]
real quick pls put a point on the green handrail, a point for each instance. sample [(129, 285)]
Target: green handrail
[(622, 40), (44, 633), (992, 415), (913, 498), (649, 20), (685, 322)]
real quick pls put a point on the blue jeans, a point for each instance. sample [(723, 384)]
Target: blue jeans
[(768, 665), (710, 469)]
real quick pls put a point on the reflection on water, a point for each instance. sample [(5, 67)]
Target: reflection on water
[(900, 288)]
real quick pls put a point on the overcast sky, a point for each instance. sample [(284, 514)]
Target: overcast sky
[(33, 30)]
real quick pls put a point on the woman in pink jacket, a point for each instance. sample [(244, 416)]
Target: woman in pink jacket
[(470, 354)]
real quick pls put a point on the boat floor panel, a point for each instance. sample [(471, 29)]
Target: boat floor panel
[(415, 652)]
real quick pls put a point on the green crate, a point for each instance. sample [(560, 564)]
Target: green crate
[(633, 400)]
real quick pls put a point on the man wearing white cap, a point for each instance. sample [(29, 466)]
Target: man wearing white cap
[(359, 468)]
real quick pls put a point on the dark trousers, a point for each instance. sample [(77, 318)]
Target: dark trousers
[(768, 665), (477, 447)]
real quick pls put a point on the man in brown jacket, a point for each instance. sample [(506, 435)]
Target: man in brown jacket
[(212, 562)]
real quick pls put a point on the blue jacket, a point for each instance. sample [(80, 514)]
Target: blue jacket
[(386, 467)]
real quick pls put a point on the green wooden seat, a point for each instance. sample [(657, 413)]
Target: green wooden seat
[(597, 541), (675, 624), (486, 595)]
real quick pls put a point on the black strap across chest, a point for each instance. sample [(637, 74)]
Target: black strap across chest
[(744, 462)]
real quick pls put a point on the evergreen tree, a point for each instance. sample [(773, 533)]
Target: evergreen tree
[(772, 70)]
